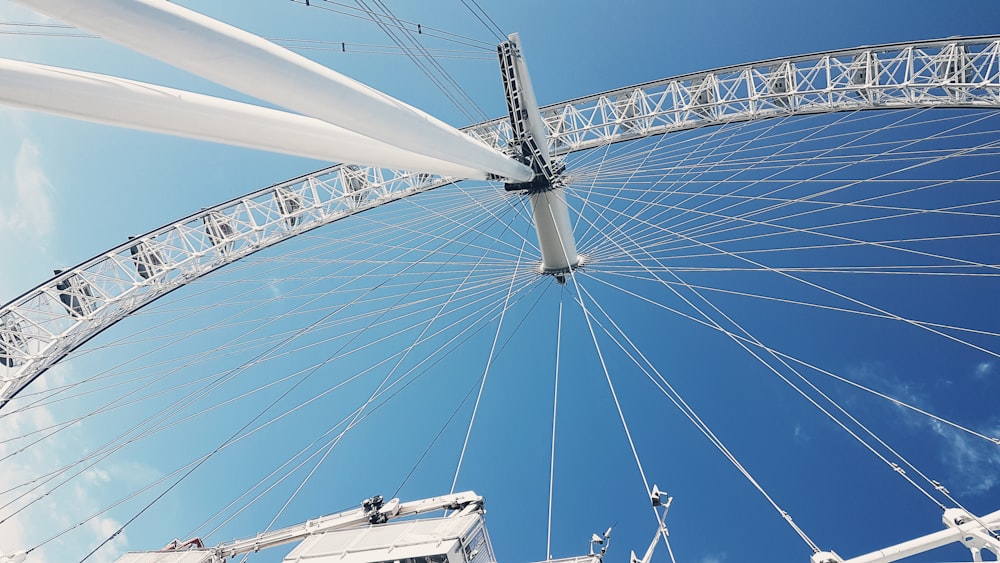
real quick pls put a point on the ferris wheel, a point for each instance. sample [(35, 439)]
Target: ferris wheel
[(745, 287)]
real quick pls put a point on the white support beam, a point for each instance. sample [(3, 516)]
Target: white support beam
[(463, 502), (555, 232), (253, 65), (548, 201), (968, 532), (535, 127), (138, 105), (371, 512)]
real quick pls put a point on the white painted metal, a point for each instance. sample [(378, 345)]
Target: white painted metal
[(960, 72), (240, 60), (37, 329), (536, 127), (127, 103), (661, 528), (198, 556), (595, 558), (548, 207), (111, 285), (464, 504), (969, 532), (453, 539), (555, 233)]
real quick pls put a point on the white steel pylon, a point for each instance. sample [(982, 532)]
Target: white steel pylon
[(548, 200), (253, 65), (149, 107)]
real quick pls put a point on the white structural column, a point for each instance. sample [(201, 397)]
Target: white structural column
[(555, 233), (528, 103), (248, 63), (548, 200), (127, 103)]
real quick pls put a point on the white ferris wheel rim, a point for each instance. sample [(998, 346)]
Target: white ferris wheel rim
[(681, 103), (302, 204)]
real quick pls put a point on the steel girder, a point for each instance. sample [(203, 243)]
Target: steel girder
[(948, 73), (40, 327)]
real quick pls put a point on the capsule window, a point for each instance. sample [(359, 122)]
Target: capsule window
[(220, 230), (289, 204), (148, 260), (76, 295)]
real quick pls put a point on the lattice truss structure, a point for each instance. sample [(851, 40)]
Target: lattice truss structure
[(955, 73), (43, 325)]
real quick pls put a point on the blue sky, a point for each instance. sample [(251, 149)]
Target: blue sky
[(69, 190), (576, 54)]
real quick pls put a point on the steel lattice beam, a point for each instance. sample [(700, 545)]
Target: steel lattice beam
[(40, 327), (947, 73)]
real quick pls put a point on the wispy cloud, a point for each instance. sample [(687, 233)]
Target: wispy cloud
[(799, 433), (976, 468), (974, 463), (27, 221), (39, 516), (26, 197), (984, 369), (104, 528), (18, 532)]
